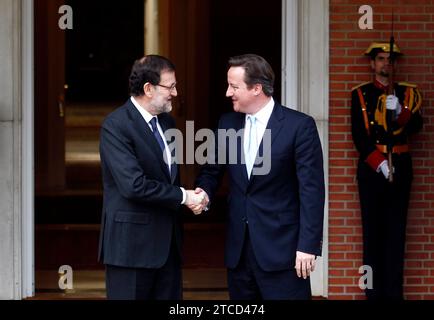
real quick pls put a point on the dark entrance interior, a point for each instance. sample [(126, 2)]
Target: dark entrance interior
[(82, 75)]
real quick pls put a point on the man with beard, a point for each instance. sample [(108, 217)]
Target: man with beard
[(382, 120), (140, 241)]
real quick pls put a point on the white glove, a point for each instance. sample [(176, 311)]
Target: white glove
[(384, 168), (392, 103)]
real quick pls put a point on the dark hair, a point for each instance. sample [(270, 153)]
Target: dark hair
[(258, 71), (148, 69), (374, 52)]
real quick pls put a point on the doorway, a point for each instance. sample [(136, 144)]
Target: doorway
[(82, 75)]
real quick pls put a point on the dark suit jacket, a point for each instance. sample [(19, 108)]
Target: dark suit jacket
[(142, 202), (284, 208)]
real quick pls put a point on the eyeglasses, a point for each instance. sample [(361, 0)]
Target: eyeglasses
[(170, 88)]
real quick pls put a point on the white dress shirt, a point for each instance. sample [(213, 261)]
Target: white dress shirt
[(262, 118)]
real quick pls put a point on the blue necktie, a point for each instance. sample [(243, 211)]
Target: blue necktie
[(157, 136), (251, 147)]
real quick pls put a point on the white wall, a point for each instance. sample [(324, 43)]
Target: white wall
[(12, 219), (8, 154)]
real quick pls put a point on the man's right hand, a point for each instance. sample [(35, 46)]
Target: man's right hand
[(304, 264)]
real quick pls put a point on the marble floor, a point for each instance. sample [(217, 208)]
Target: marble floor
[(199, 284)]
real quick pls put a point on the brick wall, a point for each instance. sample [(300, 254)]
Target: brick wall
[(414, 30)]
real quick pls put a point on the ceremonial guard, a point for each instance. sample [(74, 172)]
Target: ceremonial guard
[(383, 116)]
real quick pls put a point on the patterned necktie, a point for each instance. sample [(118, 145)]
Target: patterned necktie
[(159, 139), (251, 145)]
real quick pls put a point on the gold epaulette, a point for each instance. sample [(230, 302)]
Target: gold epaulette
[(360, 85), (407, 84)]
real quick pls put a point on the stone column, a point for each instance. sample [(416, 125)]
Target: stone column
[(305, 86), (314, 100)]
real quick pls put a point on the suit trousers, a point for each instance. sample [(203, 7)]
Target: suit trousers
[(164, 283), (249, 282)]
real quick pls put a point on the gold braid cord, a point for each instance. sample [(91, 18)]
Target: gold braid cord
[(412, 101)]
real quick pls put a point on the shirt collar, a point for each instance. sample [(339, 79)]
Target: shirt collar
[(145, 114), (263, 115), (379, 85)]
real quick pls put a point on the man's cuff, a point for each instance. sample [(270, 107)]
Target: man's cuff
[(184, 195), (375, 159), (208, 204), (379, 166)]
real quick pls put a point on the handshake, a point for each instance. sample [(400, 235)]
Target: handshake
[(197, 200)]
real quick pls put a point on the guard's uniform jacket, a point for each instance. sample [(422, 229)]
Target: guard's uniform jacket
[(383, 204), (369, 123)]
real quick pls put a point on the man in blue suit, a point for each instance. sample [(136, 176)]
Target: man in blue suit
[(141, 232), (275, 220)]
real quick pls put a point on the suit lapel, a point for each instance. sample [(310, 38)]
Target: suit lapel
[(241, 167), (275, 122), (239, 170), (147, 135)]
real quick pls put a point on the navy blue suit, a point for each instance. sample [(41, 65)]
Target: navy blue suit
[(141, 227), (283, 210)]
